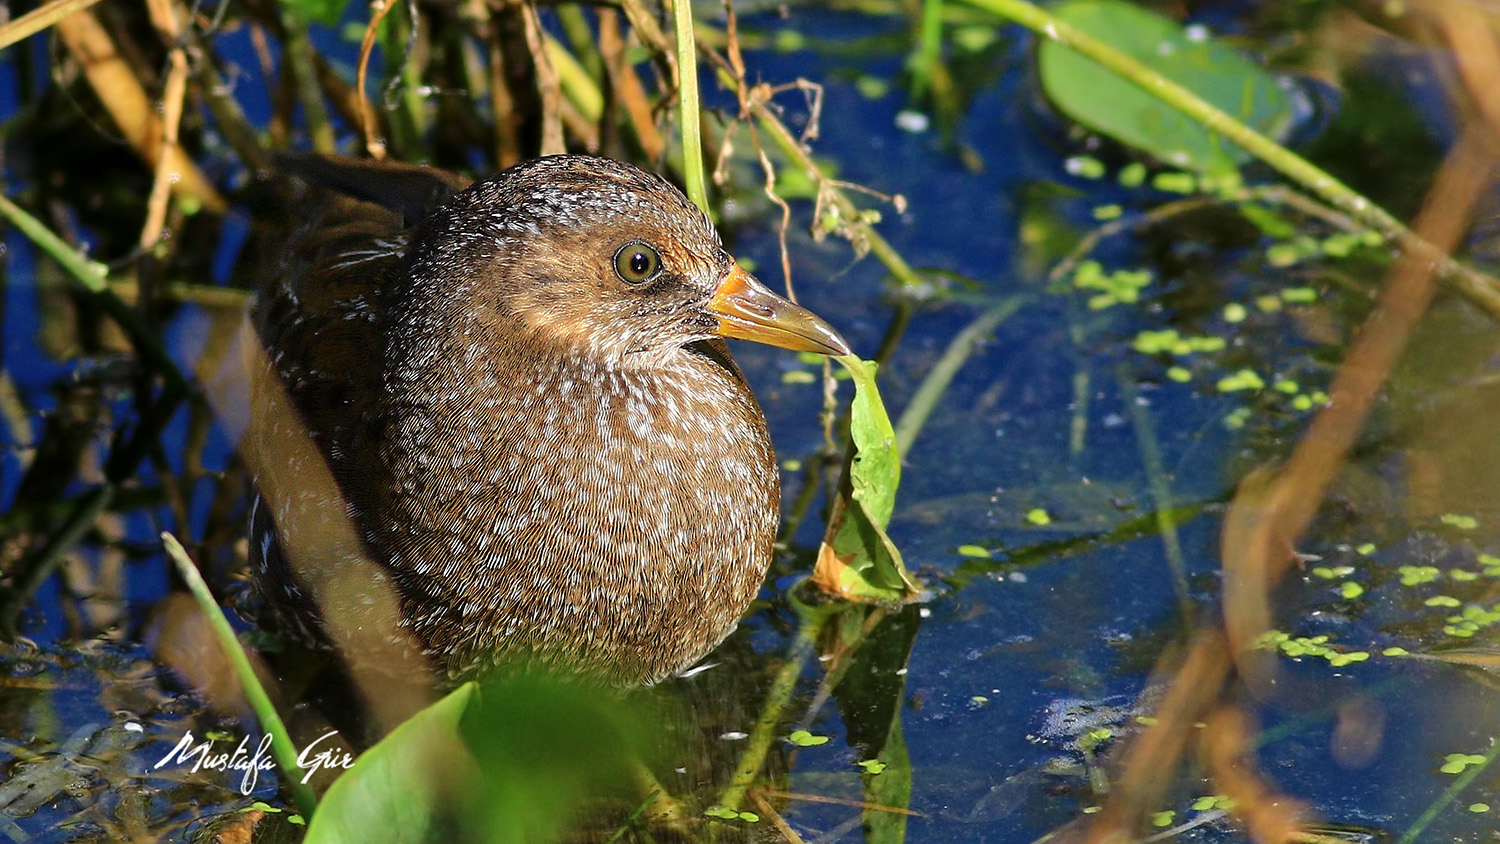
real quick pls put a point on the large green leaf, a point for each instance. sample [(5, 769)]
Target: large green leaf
[(549, 748), (857, 560), (1114, 106), (407, 787)]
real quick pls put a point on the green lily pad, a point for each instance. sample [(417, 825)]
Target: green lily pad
[(1109, 104)]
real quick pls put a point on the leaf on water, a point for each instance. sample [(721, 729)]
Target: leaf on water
[(857, 560), (1114, 106), (404, 787)]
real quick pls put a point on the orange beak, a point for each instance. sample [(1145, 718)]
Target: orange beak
[(748, 310)]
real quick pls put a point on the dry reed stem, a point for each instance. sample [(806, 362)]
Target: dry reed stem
[(357, 599), (1151, 756), (127, 103), (627, 86), (1470, 31), (864, 805), (1261, 549), (1228, 749), (39, 19), (767, 810), (547, 83), (164, 18), (373, 144)]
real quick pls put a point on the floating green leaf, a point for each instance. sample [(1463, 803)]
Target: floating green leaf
[(1109, 104)]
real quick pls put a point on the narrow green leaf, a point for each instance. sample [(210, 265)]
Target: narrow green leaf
[(857, 560)]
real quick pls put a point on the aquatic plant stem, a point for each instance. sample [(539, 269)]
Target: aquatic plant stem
[(255, 694), (94, 278), (767, 728), (1483, 290), (688, 104), (878, 246), (1161, 489), (34, 570), (39, 19), (931, 390)]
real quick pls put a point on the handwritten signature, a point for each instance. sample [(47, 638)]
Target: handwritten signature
[(251, 761)]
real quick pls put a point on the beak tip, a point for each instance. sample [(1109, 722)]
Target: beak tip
[(838, 346)]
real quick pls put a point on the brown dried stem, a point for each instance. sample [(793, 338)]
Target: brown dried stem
[(164, 18), (373, 144), (548, 84), (127, 103)]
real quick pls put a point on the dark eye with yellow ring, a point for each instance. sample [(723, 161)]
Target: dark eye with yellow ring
[(637, 263)]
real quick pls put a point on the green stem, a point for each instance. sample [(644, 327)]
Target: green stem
[(255, 694), (768, 728), (878, 246), (931, 390), (94, 278), (1455, 788), (1482, 289), (687, 98), (299, 54), (929, 47), (1161, 489)]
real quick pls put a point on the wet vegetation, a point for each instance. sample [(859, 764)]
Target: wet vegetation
[(1186, 316)]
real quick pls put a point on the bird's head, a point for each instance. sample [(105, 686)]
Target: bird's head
[(601, 258)]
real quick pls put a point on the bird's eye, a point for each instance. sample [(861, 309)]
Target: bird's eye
[(637, 263)]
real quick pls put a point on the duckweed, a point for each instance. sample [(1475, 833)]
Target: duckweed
[(1084, 167), (1210, 802), (1415, 575), (1332, 572), (726, 814), (803, 738), (1120, 286), (1456, 763), (1245, 379), (1175, 183)]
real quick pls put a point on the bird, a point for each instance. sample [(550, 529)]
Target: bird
[(522, 391)]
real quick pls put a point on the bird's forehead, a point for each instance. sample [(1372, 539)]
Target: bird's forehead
[(615, 209)]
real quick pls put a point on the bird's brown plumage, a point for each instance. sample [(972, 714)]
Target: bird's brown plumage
[(557, 465)]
